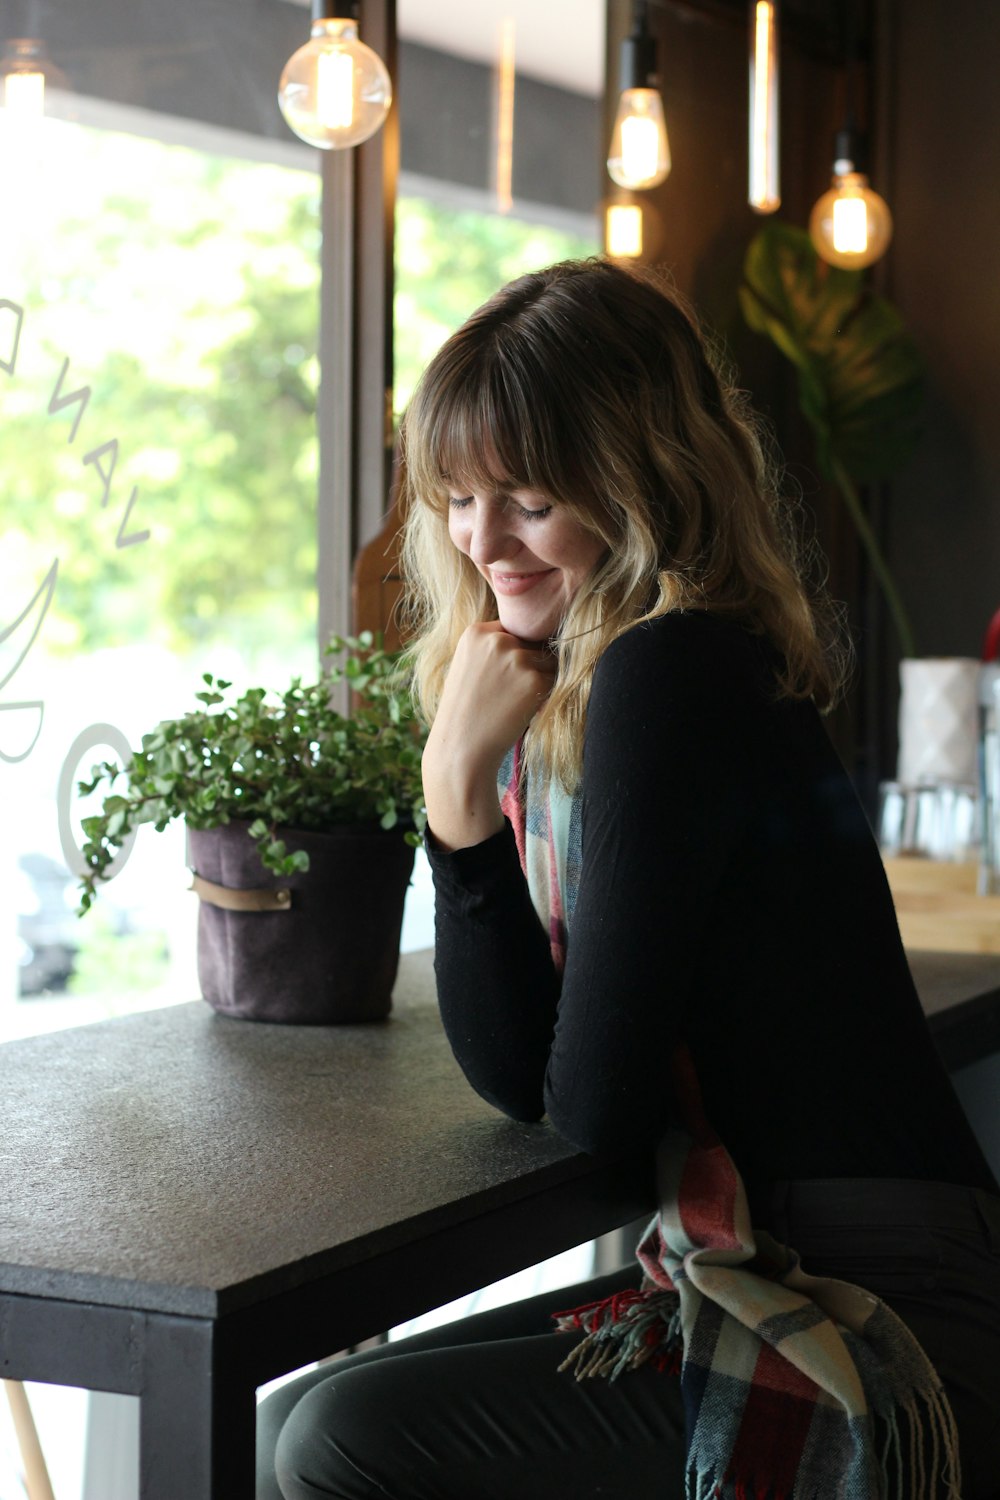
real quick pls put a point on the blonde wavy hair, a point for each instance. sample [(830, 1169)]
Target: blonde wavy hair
[(593, 386)]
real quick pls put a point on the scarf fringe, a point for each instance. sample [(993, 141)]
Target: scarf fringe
[(624, 1332), (634, 1328), (935, 1474)]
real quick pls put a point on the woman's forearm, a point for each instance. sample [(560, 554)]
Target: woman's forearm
[(497, 987), (460, 794)]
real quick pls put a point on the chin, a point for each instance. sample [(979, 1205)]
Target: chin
[(529, 628)]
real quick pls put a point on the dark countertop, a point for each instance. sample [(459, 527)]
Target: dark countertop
[(960, 994), (181, 1161)]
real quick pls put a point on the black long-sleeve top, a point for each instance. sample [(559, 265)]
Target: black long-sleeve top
[(731, 895)]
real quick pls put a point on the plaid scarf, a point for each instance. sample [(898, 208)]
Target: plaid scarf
[(546, 824), (795, 1387)]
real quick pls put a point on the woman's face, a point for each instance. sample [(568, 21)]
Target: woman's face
[(533, 554)]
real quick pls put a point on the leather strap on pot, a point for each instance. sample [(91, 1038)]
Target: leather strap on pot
[(236, 900)]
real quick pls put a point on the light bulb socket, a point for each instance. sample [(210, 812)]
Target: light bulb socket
[(335, 10), (851, 145), (638, 56)]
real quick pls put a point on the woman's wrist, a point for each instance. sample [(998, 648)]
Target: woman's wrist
[(462, 804)]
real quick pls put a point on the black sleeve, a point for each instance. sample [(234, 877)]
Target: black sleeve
[(664, 803), (497, 986)]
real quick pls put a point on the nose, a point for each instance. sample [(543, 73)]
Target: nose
[(490, 536)]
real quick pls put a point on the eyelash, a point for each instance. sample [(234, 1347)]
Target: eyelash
[(459, 502)]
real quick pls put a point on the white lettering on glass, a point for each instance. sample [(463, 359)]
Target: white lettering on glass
[(23, 631), (75, 398), (19, 637), (88, 739), (18, 311)]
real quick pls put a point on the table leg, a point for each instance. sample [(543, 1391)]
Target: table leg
[(197, 1415)]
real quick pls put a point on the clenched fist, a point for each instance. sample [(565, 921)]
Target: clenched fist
[(494, 688)]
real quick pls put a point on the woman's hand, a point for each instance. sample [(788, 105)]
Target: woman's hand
[(494, 688)]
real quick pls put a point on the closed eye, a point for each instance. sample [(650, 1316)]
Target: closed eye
[(459, 502)]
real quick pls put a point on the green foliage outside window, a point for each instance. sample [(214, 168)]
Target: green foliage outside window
[(183, 289), (448, 261)]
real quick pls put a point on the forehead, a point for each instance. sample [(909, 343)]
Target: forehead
[(486, 461), (466, 433)]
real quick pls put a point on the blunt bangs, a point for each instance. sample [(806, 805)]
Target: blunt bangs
[(485, 417)]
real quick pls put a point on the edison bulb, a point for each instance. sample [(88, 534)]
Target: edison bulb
[(26, 71), (639, 156), (850, 225), (334, 91), (623, 230)]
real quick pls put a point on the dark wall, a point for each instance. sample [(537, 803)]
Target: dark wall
[(943, 147), (698, 223), (928, 87), (699, 227)]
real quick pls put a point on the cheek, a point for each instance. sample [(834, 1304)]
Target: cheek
[(459, 531), (586, 555)]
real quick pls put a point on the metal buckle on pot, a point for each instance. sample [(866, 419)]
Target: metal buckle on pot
[(236, 900)]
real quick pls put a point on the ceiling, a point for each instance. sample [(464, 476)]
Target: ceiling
[(559, 41)]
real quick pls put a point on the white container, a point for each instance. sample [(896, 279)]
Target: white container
[(938, 721)]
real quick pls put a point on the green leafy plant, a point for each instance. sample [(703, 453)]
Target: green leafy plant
[(290, 762), (859, 373)]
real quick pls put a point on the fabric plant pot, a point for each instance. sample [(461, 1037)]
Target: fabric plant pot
[(313, 948)]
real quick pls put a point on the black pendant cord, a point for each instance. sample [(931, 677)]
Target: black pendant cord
[(851, 59), (638, 52), (333, 10)]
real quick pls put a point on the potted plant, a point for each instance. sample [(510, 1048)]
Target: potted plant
[(301, 827)]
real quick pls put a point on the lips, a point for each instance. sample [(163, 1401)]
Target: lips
[(512, 584)]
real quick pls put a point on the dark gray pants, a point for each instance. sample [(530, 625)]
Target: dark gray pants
[(476, 1410)]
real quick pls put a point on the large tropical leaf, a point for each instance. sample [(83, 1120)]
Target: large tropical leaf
[(860, 376)]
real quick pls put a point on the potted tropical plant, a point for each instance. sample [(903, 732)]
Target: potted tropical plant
[(301, 826), (860, 376)]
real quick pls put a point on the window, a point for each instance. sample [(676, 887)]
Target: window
[(158, 374), (159, 283), (157, 395)]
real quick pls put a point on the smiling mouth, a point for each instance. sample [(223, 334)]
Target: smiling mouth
[(517, 583)]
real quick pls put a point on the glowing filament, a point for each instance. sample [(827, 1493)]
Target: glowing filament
[(24, 94), (640, 147), (850, 225), (505, 118), (335, 90), (624, 230), (764, 193)]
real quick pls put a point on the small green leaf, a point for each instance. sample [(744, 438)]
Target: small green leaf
[(288, 762)]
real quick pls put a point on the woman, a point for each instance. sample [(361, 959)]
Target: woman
[(653, 880)]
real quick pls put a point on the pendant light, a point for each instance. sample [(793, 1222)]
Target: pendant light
[(639, 155), (850, 225), (334, 91), (26, 71), (764, 188), (623, 231)]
